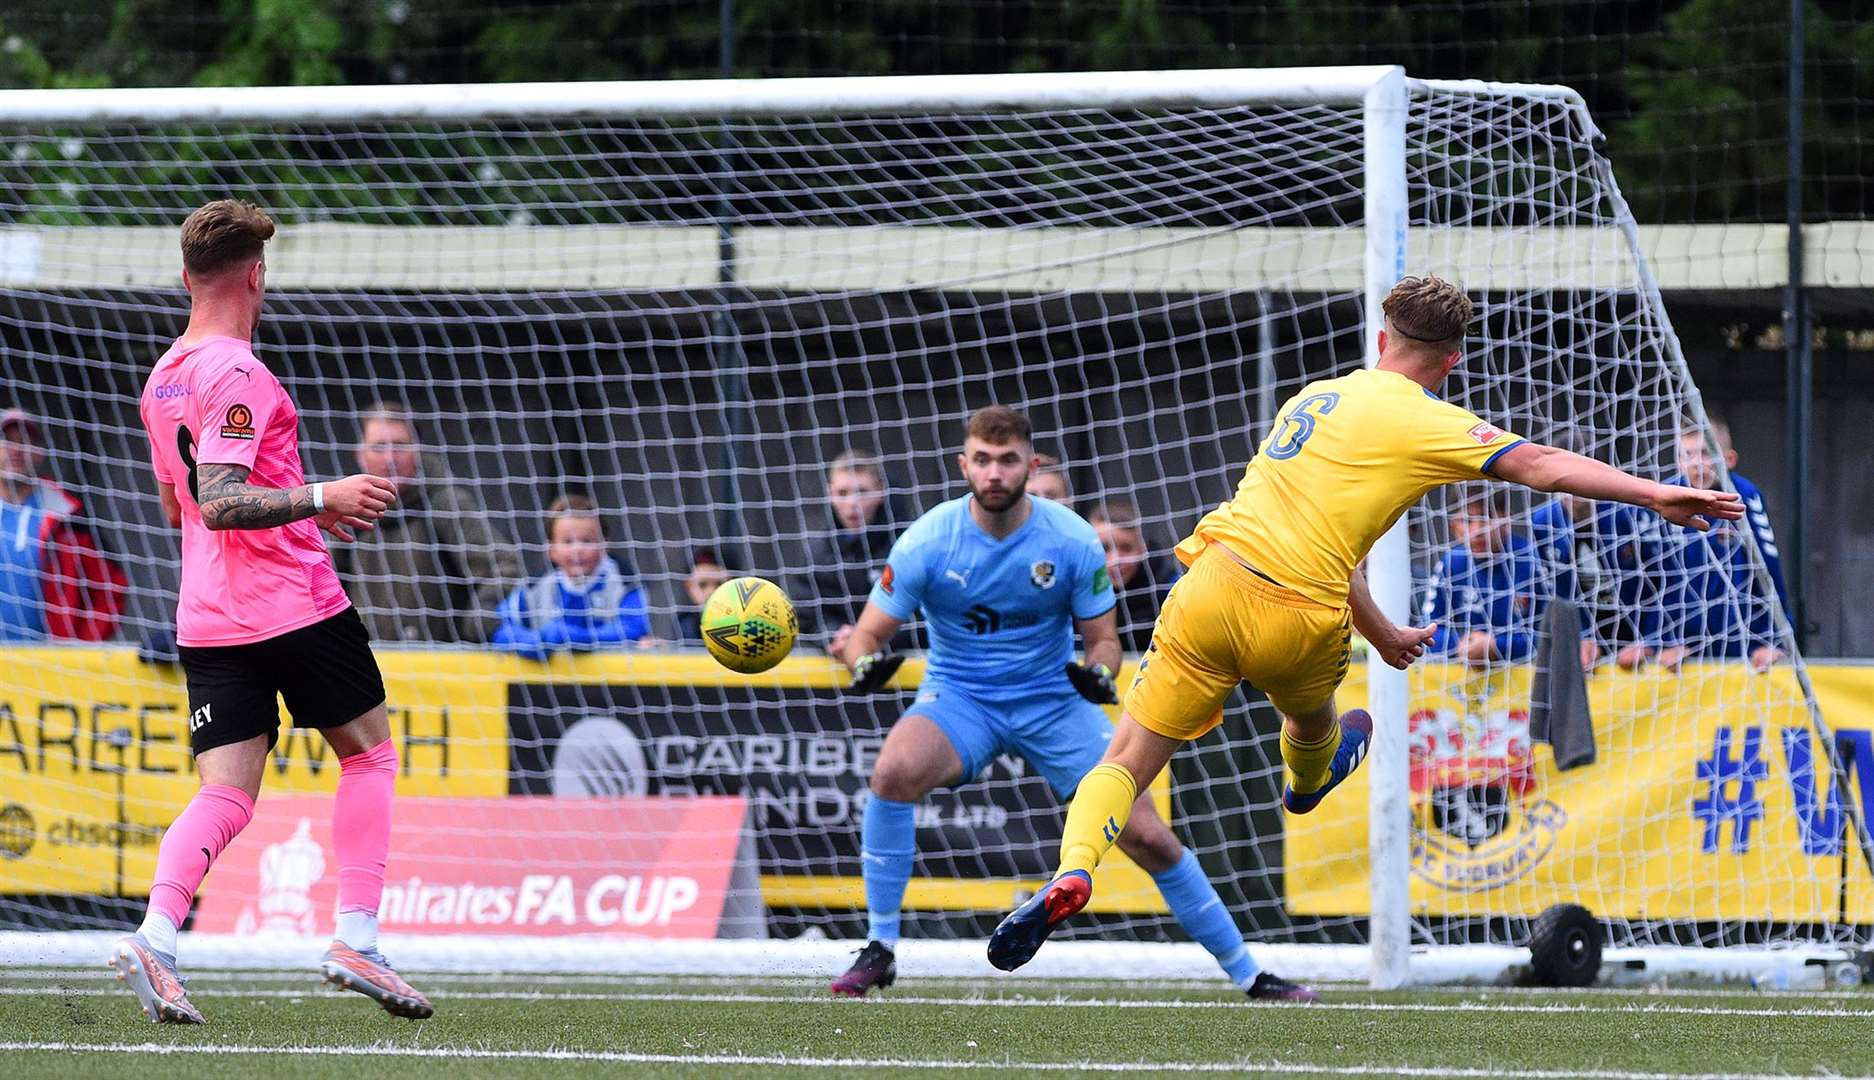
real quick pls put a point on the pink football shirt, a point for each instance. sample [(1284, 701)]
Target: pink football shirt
[(212, 402)]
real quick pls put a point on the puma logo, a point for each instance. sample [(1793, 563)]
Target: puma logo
[(961, 579)]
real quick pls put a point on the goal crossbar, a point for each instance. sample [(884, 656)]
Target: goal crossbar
[(715, 97)]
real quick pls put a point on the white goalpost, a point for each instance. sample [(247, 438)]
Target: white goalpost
[(1385, 225), (686, 298)]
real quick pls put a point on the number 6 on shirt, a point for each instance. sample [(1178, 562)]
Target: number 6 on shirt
[(1299, 424)]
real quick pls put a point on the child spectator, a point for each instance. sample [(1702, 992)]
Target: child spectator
[(586, 601), (1140, 580), (707, 574), (1483, 597), (846, 561), (1049, 480)]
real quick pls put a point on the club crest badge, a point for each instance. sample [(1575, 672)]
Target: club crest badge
[(1480, 818)]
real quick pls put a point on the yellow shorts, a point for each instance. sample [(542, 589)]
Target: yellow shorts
[(1223, 624)]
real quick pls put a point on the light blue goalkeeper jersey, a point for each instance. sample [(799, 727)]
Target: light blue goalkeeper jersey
[(999, 612)]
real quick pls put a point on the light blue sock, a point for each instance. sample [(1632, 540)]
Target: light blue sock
[(1194, 900), (888, 843)]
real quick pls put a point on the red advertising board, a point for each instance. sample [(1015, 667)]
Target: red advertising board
[(643, 867)]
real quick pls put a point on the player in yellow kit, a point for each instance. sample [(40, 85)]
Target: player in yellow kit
[(1275, 583)]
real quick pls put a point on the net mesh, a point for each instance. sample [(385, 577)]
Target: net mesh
[(688, 320)]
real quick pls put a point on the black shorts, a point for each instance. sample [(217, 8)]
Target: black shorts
[(325, 672)]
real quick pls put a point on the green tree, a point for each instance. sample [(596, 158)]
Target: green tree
[(1692, 91), (1708, 138), (279, 42)]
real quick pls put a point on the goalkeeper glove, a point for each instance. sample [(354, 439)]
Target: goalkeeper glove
[(1094, 683), (872, 671)]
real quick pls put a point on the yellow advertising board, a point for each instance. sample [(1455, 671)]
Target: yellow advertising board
[(1710, 797), (94, 760)]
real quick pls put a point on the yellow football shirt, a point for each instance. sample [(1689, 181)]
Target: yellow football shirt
[(1346, 458)]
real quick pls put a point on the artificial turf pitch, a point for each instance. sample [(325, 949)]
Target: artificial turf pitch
[(71, 1024)]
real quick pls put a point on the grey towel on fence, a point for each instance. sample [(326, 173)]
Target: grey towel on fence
[(1558, 699)]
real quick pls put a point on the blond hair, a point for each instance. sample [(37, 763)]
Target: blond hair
[(1430, 311), (861, 460), (1720, 429)]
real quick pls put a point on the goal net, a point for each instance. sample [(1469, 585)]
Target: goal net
[(686, 300)]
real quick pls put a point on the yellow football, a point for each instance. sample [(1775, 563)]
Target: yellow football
[(749, 625)]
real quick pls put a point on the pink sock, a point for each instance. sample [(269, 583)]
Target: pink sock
[(361, 825), (213, 818)]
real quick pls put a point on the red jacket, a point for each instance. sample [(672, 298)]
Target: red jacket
[(84, 591)]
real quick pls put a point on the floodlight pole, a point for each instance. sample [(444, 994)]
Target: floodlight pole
[(1799, 374), (725, 337)]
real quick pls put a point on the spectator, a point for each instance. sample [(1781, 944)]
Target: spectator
[(707, 574), (1483, 597), (435, 568), (1716, 605), (846, 562), (1140, 580), (586, 601), (1606, 557), (54, 580), (1049, 480)]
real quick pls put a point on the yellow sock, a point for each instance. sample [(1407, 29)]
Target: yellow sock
[(1098, 812), (1308, 763)]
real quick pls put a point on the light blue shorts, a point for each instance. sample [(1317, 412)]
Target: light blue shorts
[(1062, 736)]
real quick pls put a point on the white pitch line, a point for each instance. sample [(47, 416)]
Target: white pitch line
[(989, 983), (522, 978), (1242, 1066), (1021, 1002)]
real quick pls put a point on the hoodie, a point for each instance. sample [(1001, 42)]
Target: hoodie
[(554, 612), (1610, 566), (842, 566), (1715, 605), (54, 582), (1496, 593)]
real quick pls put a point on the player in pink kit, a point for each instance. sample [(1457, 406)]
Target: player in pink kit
[(261, 613)]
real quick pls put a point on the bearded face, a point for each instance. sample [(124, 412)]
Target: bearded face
[(997, 473)]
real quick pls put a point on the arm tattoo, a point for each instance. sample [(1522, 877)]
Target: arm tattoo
[(228, 501)]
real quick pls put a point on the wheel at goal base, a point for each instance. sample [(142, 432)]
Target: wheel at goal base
[(1565, 946), (749, 625)]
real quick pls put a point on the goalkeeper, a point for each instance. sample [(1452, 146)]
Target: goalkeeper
[(1004, 580), (1274, 584)]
